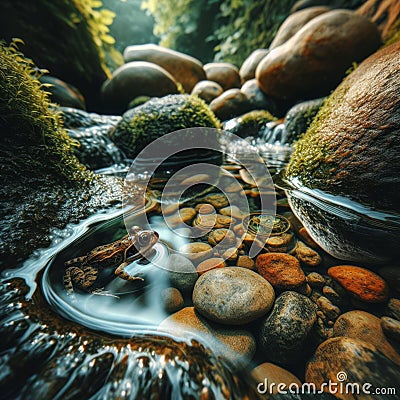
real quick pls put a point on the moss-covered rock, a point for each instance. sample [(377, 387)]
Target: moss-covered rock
[(300, 116), (250, 123), (155, 118), (352, 147), (68, 37), (43, 184)]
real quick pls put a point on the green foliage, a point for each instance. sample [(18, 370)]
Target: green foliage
[(143, 124), (34, 143), (233, 27), (70, 38)]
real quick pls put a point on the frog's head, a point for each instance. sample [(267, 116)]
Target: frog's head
[(143, 240)]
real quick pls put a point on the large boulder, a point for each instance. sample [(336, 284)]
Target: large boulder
[(294, 22), (185, 69), (352, 150), (143, 124), (136, 78), (315, 59)]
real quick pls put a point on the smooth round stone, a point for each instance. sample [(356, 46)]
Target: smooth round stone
[(197, 251), (195, 179), (183, 217), (274, 374), (182, 273), (248, 69), (362, 325), (234, 344), (307, 238), (361, 361), (225, 74), (232, 295), (232, 211), (172, 299), (209, 264), (285, 330), (307, 255), (281, 270), (230, 254), (223, 221), (222, 237), (391, 328), (363, 284), (230, 104), (207, 90)]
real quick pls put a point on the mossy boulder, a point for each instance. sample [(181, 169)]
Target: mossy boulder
[(43, 184), (300, 116), (250, 123), (157, 117), (352, 148)]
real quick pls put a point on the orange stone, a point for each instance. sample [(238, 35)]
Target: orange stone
[(281, 270), (363, 284), (210, 264)]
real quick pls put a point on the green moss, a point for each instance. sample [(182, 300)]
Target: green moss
[(34, 142), (70, 38), (310, 160), (250, 123), (155, 118), (394, 34)]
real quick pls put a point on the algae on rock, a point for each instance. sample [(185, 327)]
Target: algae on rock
[(157, 117), (44, 185)]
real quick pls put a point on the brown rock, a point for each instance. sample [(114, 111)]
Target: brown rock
[(394, 308), (207, 90), (182, 217), (307, 238), (197, 251), (230, 104), (331, 311), (391, 328), (257, 98), (313, 61), (274, 375), (185, 69), (363, 284), (249, 66), (361, 362), (316, 280), (209, 264), (281, 270), (234, 344), (307, 256), (136, 79), (217, 200), (230, 255), (367, 327), (294, 22), (222, 237), (385, 14), (225, 74), (172, 299), (245, 262)]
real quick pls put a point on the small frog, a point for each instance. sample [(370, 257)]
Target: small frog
[(89, 272)]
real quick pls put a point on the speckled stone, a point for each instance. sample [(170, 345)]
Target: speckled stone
[(361, 361), (363, 284), (330, 310), (281, 270), (232, 295), (234, 344), (182, 273), (285, 330), (362, 325)]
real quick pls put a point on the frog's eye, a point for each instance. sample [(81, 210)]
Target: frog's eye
[(144, 239)]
